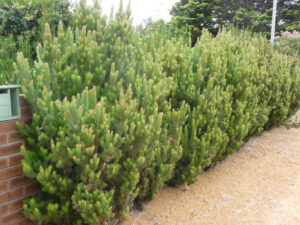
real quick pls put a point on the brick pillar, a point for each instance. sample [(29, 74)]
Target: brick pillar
[(14, 185)]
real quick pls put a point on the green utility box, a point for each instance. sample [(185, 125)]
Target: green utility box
[(9, 102)]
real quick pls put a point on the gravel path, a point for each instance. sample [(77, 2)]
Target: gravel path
[(260, 184)]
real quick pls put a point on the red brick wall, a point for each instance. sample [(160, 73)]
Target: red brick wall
[(14, 185)]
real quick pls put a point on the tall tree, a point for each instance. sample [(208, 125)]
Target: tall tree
[(255, 15), (195, 15)]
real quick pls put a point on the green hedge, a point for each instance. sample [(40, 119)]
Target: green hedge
[(117, 116), (235, 86)]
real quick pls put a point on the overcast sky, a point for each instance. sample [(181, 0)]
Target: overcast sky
[(142, 9)]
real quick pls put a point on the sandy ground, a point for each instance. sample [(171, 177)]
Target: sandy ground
[(260, 184)]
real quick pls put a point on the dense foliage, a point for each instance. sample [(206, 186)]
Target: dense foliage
[(108, 133), (234, 86), (8, 53), (254, 15), (21, 17), (22, 22), (116, 116), (21, 28)]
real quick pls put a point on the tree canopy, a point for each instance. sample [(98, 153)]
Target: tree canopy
[(255, 15), (21, 27)]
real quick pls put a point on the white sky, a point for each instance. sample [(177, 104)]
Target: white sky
[(141, 9)]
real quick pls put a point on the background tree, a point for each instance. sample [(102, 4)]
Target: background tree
[(21, 26), (195, 15), (28, 17), (254, 15)]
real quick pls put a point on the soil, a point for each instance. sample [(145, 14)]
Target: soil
[(259, 184)]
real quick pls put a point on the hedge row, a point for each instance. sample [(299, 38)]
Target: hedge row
[(117, 116)]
